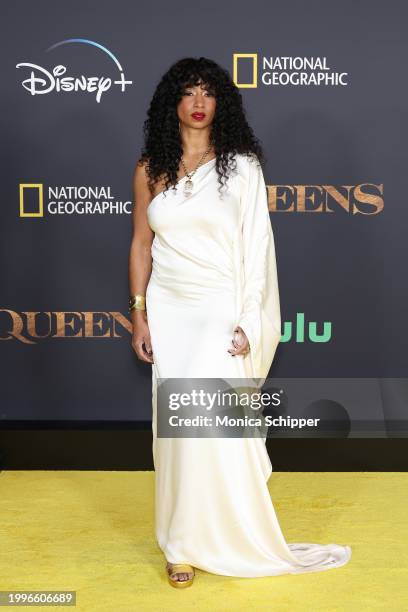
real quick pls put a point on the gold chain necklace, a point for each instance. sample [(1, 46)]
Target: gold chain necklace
[(188, 185)]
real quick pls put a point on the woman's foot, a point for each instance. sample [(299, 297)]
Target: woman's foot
[(178, 576)]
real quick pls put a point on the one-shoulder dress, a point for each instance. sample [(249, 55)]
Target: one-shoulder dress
[(213, 268)]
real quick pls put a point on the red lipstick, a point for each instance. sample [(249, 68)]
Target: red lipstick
[(198, 116)]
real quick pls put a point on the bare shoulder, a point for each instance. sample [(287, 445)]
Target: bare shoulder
[(141, 176), (140, 182)]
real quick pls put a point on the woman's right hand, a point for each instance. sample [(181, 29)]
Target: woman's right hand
[(141, 336)]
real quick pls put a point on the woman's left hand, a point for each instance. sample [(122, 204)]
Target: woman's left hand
[(240, 342)]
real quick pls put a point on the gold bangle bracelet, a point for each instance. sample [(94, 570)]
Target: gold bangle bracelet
[(137, 302)]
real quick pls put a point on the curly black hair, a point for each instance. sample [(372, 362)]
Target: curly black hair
[(230, 132)]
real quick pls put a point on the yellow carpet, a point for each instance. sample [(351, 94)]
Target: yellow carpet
[(93, 532)]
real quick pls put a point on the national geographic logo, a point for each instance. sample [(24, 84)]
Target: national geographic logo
[(30, 327), (363, 199), (70, 200), (248, 71)]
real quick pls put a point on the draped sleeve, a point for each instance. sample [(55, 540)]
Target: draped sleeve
[(260, 316)]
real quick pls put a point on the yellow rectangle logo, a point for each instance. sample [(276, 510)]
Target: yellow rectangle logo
[(254, 57), (39, 187)]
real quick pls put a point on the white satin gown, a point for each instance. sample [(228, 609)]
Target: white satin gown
[(214, 267)]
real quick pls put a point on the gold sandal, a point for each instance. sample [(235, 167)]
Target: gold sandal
[(180, 568)]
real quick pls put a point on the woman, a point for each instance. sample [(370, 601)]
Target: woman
[(204, 303)]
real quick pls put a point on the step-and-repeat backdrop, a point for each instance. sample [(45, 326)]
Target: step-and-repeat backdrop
[(325, 89)]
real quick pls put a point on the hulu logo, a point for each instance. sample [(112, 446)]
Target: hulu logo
[(299, 328)]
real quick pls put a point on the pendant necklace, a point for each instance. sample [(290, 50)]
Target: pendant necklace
[(188, 185)]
